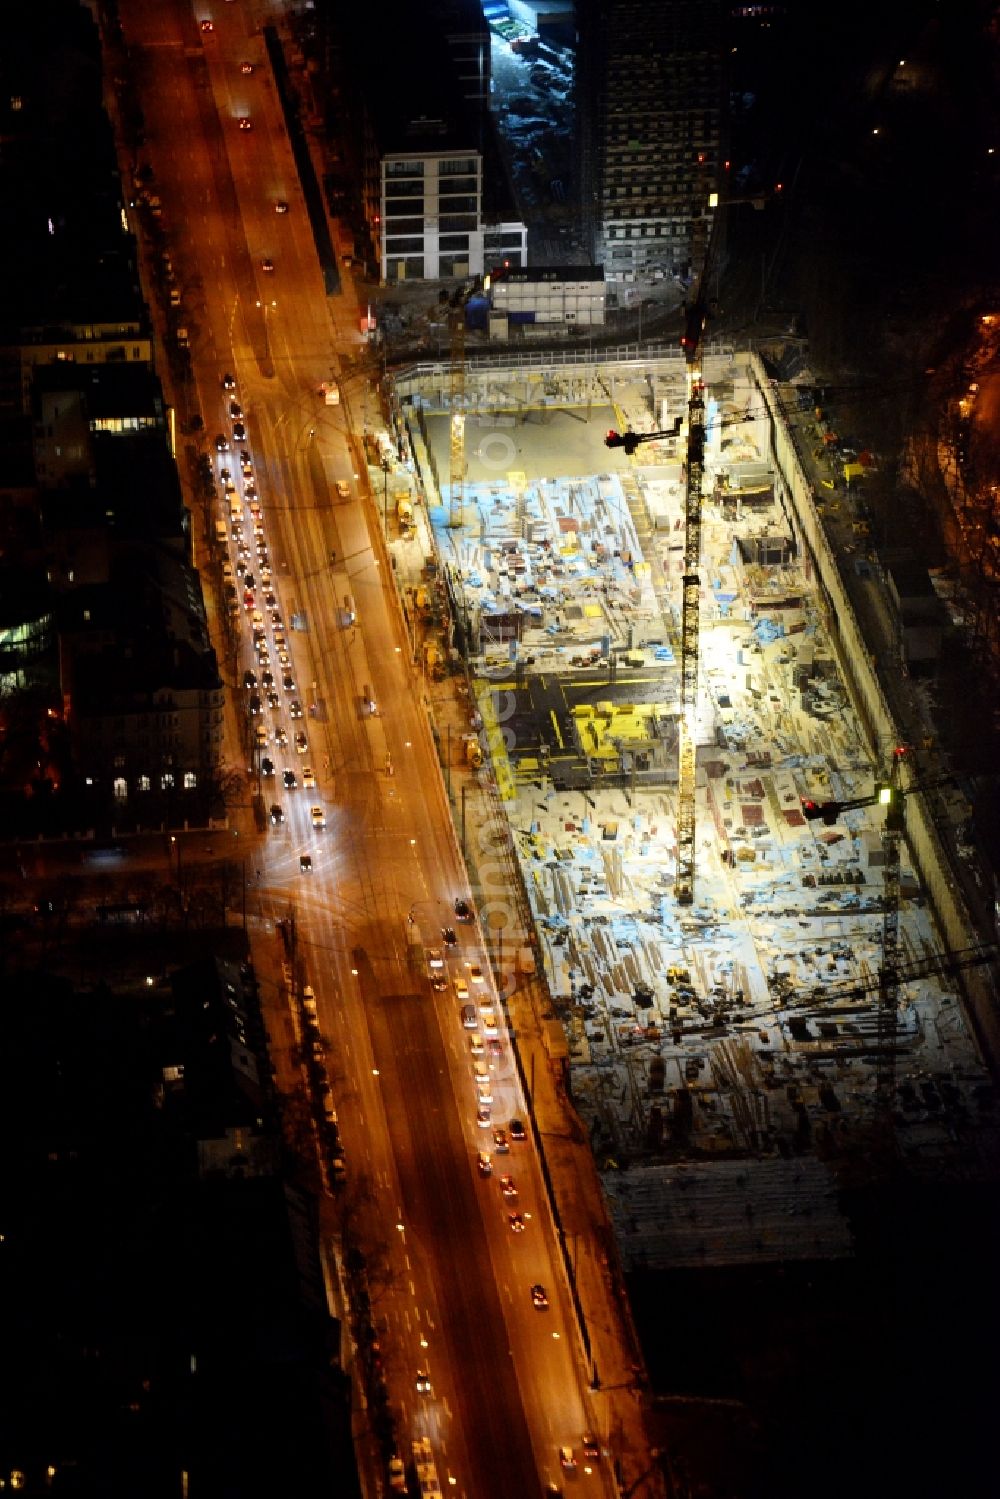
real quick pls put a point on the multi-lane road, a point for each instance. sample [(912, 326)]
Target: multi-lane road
[(507, 1382)]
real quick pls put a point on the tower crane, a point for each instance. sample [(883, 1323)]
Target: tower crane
[(456, 478), (690, 589), (891, 795)]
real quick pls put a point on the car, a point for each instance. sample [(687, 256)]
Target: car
[(267, 264), (305, 863), (484, 1163), (469, 1020), (267, 767), (265, 575), (294, 707), (494, 1046), (448, 936), (397, 1475), (591, 1446), (260, 734), (463, 910), (476, 974), (239, 431), (301, 743), (539, 1297), (248, 581), (281, 206), (476, 1046), (500, 1142), (246, 462), (517, 1130), (245, 122), (566, 1458), (249, 680), (461, 989), (288, 681), (517, 1223), (271, 600), (246, 68), (277, 815), (273, 697), (423, 1382), (553, 1491), (318, 817), (207, 26), (281, 736), (221, 443), (235, 410), (343, 489), (228, 381), (309, 1000), (290, 779), (435, 960), (175, 297), (489, 1020), (253, 704), (508, 1188), (483, 1116), (308, 779), (267, 679)]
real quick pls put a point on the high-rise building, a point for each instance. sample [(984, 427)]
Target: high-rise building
[(649, 121), (435, 199)]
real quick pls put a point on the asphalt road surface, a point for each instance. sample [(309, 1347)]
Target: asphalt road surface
[(454, 1299)]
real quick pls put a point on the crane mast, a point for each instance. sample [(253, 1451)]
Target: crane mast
[(690, 614), (888, 974), (456, 478)]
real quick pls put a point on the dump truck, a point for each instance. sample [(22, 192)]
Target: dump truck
[(404, 513), (434, 661)]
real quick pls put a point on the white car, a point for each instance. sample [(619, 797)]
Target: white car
[(476, 974), (461, 989), (343, 489), (318, 817), (308, 779), (489, 1020)]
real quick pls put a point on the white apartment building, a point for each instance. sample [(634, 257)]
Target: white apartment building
[(431, 218)]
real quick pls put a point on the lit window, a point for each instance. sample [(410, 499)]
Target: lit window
[(120, 789), (167, 781), (144, 783), (190, 780)]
